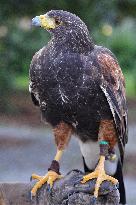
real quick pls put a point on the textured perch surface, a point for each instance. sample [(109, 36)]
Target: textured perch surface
[(66, 191)]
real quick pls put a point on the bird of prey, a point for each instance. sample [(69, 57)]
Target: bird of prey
[(80, 89)]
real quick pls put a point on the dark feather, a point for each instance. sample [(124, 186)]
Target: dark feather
[(79, 83), (34, 100), (119, 176)]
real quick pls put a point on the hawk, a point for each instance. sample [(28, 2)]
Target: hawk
[(80, 89)]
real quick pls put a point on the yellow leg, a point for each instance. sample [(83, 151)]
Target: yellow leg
[(101, 176), (58, 155), (50, 177)]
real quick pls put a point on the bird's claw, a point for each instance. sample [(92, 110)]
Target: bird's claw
[(31, 178), (100, 176), (49, 188), (78, 180), (31, 197), (116, 186), (49, 178)]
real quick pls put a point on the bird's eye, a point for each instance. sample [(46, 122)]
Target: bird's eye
[(57, 21)]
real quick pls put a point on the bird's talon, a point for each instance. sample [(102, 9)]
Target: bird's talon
[(31, 178), (49, 188), (31, 196), (78, 181), (83, 181), (60, 176), (116, 186), (100, 176), (50, 177)]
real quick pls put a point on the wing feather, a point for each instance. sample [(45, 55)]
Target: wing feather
[(33, 79), (113, 86)]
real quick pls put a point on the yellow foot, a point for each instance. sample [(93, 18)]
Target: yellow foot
[(101, 176), (50, 177)]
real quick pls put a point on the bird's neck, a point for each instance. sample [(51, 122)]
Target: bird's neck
[(74, 43)]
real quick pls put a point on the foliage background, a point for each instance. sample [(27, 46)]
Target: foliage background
[(112, 24)]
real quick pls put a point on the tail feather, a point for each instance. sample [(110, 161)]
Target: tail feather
[(119, 175)]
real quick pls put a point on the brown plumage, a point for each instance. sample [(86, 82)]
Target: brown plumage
[(107, 132), (62, 134)]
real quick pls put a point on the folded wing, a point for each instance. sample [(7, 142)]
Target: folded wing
[(113, 86)]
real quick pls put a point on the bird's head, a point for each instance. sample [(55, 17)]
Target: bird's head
[(60, 22), (66, 28)]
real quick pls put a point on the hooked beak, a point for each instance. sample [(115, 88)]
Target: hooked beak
[(36, 21), (44, 21)]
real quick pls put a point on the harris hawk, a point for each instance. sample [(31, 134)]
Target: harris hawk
[(80, 89)]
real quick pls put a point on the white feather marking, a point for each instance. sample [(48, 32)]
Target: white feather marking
[(84, 79), (39, 52), (33, 90), (36, 94), (112, 110), (44, 103), (63, 96), (75, 124), (90, 151), (30, 87), (109, 101)]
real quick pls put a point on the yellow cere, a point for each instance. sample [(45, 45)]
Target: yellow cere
[(47, 22)]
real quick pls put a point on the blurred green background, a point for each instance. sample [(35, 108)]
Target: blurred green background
[(25, 143), (112, 24)]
